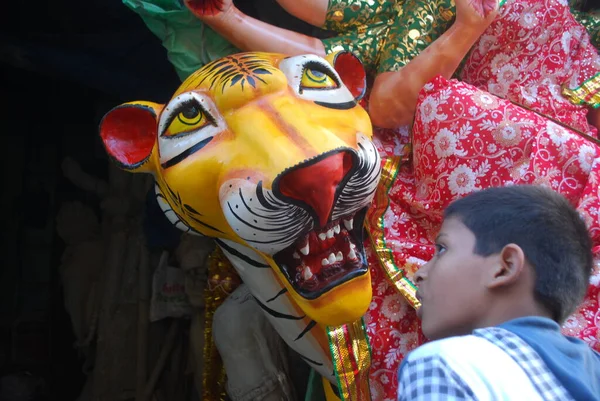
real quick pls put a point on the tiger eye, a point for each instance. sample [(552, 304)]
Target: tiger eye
[(190, 112)]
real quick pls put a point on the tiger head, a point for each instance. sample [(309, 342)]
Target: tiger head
[(272, 156)]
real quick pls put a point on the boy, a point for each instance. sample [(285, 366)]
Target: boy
[(511, 264)]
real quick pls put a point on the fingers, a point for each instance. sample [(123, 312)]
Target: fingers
[(489, 6), (207, 8), (477, 6)]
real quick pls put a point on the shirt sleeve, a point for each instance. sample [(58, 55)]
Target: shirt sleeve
[(431, 379)]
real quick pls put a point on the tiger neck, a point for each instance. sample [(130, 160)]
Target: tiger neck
[(300, 332)]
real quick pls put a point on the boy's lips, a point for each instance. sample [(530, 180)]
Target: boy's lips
[(420, 308)]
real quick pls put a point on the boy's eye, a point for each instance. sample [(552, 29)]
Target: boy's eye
[(439, 249)]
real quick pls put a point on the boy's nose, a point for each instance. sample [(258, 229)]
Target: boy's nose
[(421, 274)]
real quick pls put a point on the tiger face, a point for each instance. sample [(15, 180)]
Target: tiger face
[(272, 156)]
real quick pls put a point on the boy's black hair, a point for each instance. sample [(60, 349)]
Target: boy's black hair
[(552, 235)]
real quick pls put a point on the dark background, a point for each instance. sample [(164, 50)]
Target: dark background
[(63, 64)]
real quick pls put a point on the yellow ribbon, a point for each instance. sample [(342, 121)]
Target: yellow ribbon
[(588, 93), (376, 229), (351, 356)]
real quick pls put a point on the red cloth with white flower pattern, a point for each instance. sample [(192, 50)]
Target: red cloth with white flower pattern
[(530, 51), (393, 329), (464, 140)]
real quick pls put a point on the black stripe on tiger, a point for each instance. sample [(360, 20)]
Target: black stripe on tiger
[(187, 209), (204, 224), (278, 295), (306, 329), (235, 70), (186, 153), (338, 106), (274, 313), (240, 255)]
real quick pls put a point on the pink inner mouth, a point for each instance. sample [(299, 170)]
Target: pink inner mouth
[(324, 257)]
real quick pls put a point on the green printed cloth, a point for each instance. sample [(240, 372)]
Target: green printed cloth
[(189, 42)]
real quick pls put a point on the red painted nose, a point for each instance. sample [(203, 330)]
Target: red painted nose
[(315, 182)]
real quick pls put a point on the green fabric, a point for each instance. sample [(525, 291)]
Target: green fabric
[(386, 34), (190, 44), (314, 390), (591, 22)]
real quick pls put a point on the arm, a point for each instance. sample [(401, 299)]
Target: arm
[(310, 11), (249, 34), (394, 95)]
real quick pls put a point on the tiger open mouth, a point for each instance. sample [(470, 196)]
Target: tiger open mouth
[(324, 258)]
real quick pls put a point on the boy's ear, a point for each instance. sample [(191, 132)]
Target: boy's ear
[(508, 268)]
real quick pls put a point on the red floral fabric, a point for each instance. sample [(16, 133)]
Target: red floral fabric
[(530, 51), (464, 140), (393, 329)]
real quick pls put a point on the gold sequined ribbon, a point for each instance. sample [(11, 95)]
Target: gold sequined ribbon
[(351, 356), (376, 229), (588, 93), (222, 281)]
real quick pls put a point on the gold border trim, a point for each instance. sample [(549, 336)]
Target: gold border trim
[(351, 357), (376, 228), (587, 93)]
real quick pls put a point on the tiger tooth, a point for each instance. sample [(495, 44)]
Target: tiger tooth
[(330, 233), (339, 256), (305, 249), (306, 273), (352, 255), (348, 224), (352, 246), (296, 256), (336, 229), (322, 236), (331, 258), (325, 262)]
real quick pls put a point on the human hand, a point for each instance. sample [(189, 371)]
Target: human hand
[(209, 9), (476, 14)]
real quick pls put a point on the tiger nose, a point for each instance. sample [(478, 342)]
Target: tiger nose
[(316, 182)]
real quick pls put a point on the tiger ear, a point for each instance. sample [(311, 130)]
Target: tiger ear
[(351, 71), (129, 133)]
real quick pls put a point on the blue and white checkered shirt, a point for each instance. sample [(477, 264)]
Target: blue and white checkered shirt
[(491, 364)]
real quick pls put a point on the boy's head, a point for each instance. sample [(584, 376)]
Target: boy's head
[(504, 253)]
